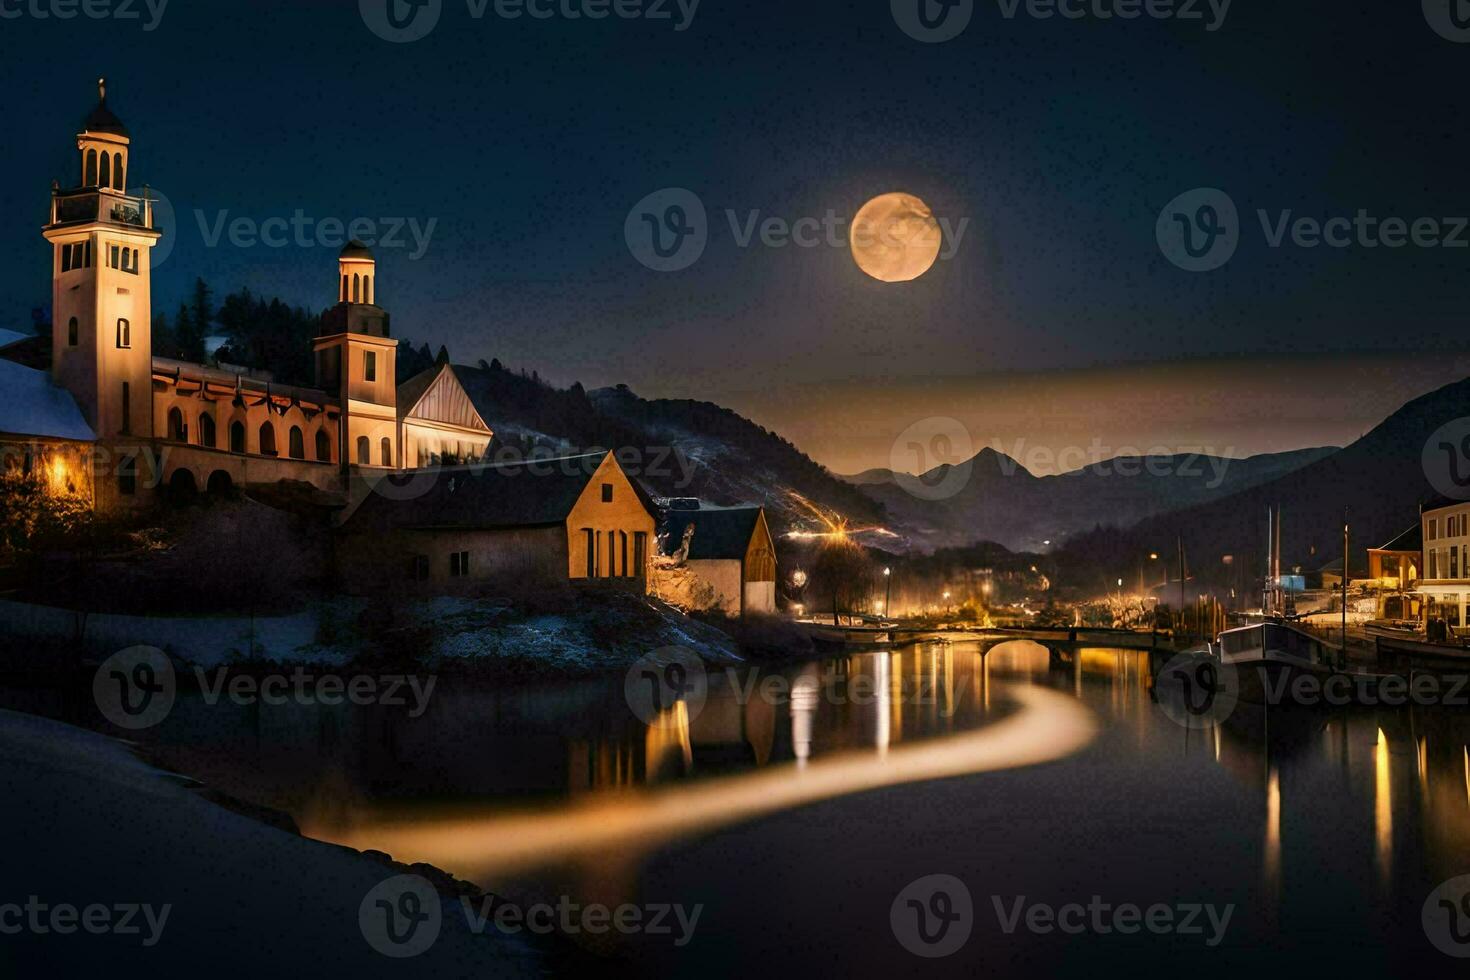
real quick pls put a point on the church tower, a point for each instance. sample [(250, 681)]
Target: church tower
[(356, 360), (101, 304)]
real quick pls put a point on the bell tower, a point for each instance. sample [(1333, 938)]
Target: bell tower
[(101, 300), (356, 360)]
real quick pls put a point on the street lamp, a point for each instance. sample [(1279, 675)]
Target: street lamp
[(888, 599)]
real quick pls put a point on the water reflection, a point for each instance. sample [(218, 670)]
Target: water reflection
[(490, 780)]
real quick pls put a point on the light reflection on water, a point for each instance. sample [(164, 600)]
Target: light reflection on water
[(1329, 810)]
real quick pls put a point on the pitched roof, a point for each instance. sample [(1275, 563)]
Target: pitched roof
[(1410, 540), (455, 407), (534, 493), (30, 405), (719, 532)]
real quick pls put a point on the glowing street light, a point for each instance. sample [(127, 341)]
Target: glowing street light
[(888, 599)]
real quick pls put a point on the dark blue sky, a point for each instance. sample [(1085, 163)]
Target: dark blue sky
[(528, 141)]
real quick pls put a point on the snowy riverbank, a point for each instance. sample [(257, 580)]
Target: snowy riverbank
[(115, 865)]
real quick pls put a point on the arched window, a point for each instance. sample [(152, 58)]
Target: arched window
[(105, 178), (206, 429), (364, 451), (298, 443), (267, 439), (124, 334), (72, 332), (176, 430), (387, 451), (90, 179), (237, 437), (117, 175), (323, 446), (344, 288), (356, 287), (367, 289)]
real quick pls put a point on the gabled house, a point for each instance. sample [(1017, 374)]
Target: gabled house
[(1395, 569), (437, 421), (730, 549), (577, 518)]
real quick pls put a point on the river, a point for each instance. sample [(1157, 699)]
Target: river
[(797, 806)]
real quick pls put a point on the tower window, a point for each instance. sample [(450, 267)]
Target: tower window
[(73, 331), (356, 287), (206, 430), (367, 289), (607, 493), (124, 334), (370, 366), (344, 289), (237, 437), (90, 179), (106, 177), (364, 451), (387, 451), (76, 256), (114, 257), (323, 446), (127, 409), (176, 430), (267, 439), (297, 443)]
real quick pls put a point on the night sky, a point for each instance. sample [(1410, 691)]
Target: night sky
[(1058, 319)]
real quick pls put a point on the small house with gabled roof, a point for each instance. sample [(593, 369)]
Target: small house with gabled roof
[(539, 520), (729, 548)]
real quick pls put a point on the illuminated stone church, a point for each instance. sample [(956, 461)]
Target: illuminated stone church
[(162, 423)]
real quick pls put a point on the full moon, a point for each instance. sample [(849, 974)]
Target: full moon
[(895, 238)]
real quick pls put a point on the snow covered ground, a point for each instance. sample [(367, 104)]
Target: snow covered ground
[(92, 832), (602, 633)]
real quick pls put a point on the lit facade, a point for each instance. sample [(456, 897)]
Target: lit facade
[(190, 427)]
